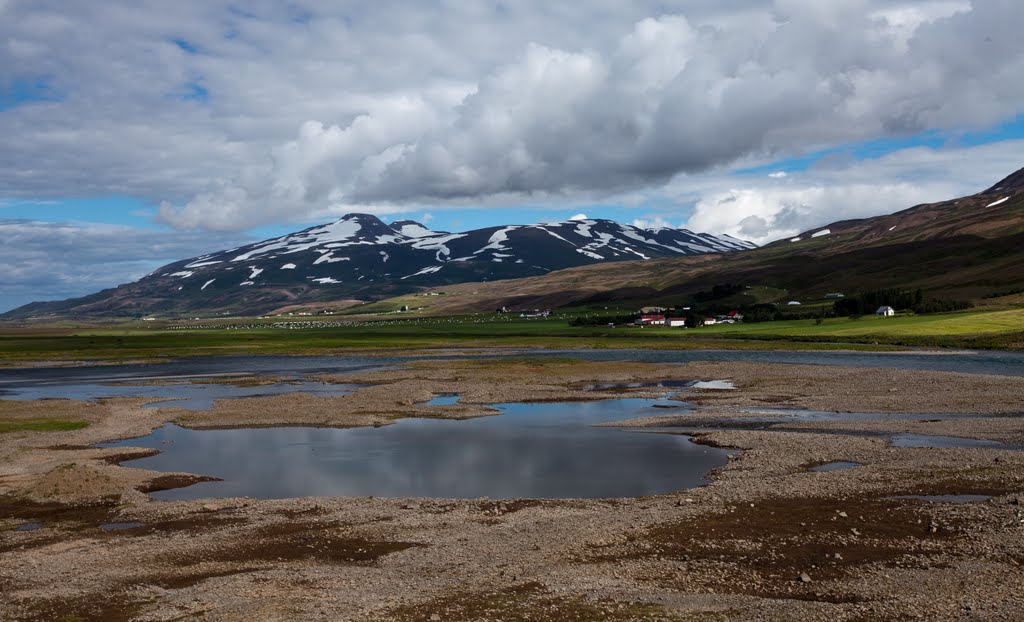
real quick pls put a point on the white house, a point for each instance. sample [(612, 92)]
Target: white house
[(675, 321), (886, 311)]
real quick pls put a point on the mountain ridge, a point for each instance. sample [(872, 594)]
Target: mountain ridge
[(359, 257)]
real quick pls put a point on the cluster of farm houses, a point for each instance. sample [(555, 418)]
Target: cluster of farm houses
[(656, 316)]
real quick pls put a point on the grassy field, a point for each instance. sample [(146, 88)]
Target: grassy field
[(997, 329), (40, 425), (1000, 329)]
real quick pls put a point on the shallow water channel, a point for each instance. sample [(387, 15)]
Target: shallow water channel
[(548, 450), (184, 394)]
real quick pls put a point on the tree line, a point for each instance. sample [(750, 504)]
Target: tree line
[(867, 302)]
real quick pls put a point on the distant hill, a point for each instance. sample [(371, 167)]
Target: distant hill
[(965, 248), (360, 258)]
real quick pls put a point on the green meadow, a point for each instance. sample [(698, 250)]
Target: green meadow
[(1002, 329)]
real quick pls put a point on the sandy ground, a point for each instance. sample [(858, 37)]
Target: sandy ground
[(768, 539)]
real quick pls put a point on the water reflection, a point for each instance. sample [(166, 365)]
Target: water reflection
[(532, 450)]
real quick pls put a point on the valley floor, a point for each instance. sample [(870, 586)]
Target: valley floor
[(770, 538)]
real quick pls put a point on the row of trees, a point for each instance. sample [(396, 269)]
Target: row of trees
[(868, 302)]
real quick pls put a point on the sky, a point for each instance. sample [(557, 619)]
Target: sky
[(138, 132)]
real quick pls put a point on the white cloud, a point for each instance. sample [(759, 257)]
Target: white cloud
[(651, 222), (763, 211), (412, 106)]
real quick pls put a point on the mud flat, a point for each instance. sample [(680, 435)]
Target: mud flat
[(768, 539)]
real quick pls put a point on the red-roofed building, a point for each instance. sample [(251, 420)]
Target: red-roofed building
[(652, 320)]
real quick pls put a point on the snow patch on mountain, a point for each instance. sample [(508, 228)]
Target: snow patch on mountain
[(497, 239), (427, 270), (999, 202), (329, 257), (412, 229)]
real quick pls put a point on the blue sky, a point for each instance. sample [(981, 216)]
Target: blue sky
[(137, 133)]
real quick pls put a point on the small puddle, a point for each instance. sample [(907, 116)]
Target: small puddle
[(444, 399), (531, 450), (945, 498), (118, 526), (944, 442), (838, 465), (28, 527)]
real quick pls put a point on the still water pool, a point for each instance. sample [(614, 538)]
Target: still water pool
[(530, 450)]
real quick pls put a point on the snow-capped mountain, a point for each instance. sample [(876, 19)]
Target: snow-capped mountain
[(360, 248), (361, 257)]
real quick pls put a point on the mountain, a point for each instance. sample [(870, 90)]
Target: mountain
[(966, 248), (359, 257)]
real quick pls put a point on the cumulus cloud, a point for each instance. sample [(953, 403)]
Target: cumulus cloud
[(762, 210), (231, 119)]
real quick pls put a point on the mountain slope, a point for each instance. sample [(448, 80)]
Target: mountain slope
[(965, 248), (361, 257), (993, 213)]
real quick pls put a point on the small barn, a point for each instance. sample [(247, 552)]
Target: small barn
[(886, 311)]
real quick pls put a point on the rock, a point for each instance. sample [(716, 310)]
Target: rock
[(854, 531), (211, 507), (435, 617), (411, 506), (805, 578), (842, 514)]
